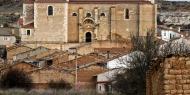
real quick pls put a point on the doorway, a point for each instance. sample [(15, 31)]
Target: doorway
[(88, 37)]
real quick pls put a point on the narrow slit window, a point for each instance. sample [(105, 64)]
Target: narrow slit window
[(126, 13), (50, 10)]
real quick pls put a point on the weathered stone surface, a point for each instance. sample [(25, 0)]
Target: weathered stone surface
[(186, 92), (169, 77), (175, 72), (179, 77), (176, 18), (169, 87), (175, 77), (185, 87)]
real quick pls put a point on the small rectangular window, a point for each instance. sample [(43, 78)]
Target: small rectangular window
[(5, 39), (100, 88), (164, 33), (126, 13), (28, 32), (50, 10)]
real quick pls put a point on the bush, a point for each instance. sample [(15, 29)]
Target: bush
[(15, 78)]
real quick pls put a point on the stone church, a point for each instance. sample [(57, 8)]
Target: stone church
[(82, 21)]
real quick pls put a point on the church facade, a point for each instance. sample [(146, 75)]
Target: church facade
[(81, 21)]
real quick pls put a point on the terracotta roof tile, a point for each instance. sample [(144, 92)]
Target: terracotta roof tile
[(31, 25), (112, 50), (82, 60), (20, 21), (87, 74)]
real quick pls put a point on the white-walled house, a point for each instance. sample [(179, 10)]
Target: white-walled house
[(123, 61), (104, 81), (7, 37), (167, 34)]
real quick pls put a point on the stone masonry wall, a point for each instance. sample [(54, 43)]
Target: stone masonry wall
[(171, 77)]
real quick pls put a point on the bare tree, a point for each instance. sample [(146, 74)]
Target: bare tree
[(145, 49)]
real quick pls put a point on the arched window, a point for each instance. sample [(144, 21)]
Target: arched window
[(102, 14), (126, 13), (50, 10), (88, 15), (74, 14)]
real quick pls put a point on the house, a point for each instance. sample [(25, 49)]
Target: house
[(52, 23), (42, 77), (7, 36), (14, 50), (104, 81), (167, 34)]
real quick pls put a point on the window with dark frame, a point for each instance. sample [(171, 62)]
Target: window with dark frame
[(5, 38), (28, 32), (126, 13), (50, 10), (74, 14), (103, 14), (88, 15)]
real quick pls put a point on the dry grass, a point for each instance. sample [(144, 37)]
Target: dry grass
[(49, 92)]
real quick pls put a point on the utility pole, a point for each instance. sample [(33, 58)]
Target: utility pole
[(138, 18), (73, 51), (76, 70)]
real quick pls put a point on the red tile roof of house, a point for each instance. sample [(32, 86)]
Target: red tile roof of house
[(82, 61), (31, 25), (20, 21)]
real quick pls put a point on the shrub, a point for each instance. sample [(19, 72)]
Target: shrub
[(15, 78)]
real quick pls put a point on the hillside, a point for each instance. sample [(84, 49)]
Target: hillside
[(10, 11), (174, 6), (10, 6)]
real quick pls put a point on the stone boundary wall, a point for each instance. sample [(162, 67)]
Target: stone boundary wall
[(171, 76)]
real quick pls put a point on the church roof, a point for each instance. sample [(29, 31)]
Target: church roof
[(50, 1), (109, 1), (85, 1)]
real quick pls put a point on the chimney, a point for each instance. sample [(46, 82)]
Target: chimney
[(12, 31), (108, 54), (179, 29), (1, 25)]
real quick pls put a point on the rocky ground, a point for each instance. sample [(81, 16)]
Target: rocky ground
[(173, 6), (174, 13), (10, 11)]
